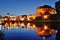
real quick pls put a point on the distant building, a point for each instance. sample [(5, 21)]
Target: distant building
[(30, 17)]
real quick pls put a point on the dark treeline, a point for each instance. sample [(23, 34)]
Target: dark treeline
[(57, 6)]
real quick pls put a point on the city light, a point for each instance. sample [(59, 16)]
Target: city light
[(45, 16), (5, 18), (28, 19), (45, 27), (52, 11), (22, 19), (52, 31)]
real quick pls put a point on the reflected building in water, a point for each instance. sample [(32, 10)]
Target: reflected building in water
[(43, 29)]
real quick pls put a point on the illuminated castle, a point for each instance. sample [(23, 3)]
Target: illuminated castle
[(44, 11), (41, 10)]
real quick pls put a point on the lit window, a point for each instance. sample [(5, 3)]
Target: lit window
[(21, 19), (45, 16), (45, 27), (28, 19)]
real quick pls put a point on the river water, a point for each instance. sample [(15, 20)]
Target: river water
[(24, 32)]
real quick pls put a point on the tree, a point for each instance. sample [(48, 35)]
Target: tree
[(58, 35), (8, 13), (57, 6), (38, 18), (0, 16), (53, 17)]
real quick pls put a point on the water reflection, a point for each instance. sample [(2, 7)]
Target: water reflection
[(43, 29), (20, 25), (1, 35)]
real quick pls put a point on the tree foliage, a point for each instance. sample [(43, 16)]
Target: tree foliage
[(53, 17), (57, 6), (38, 18)]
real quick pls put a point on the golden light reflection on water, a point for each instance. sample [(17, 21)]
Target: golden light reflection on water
[(21, 25), (43, 30), (45, 27)]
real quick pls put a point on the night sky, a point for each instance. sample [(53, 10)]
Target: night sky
[(22, 7)]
